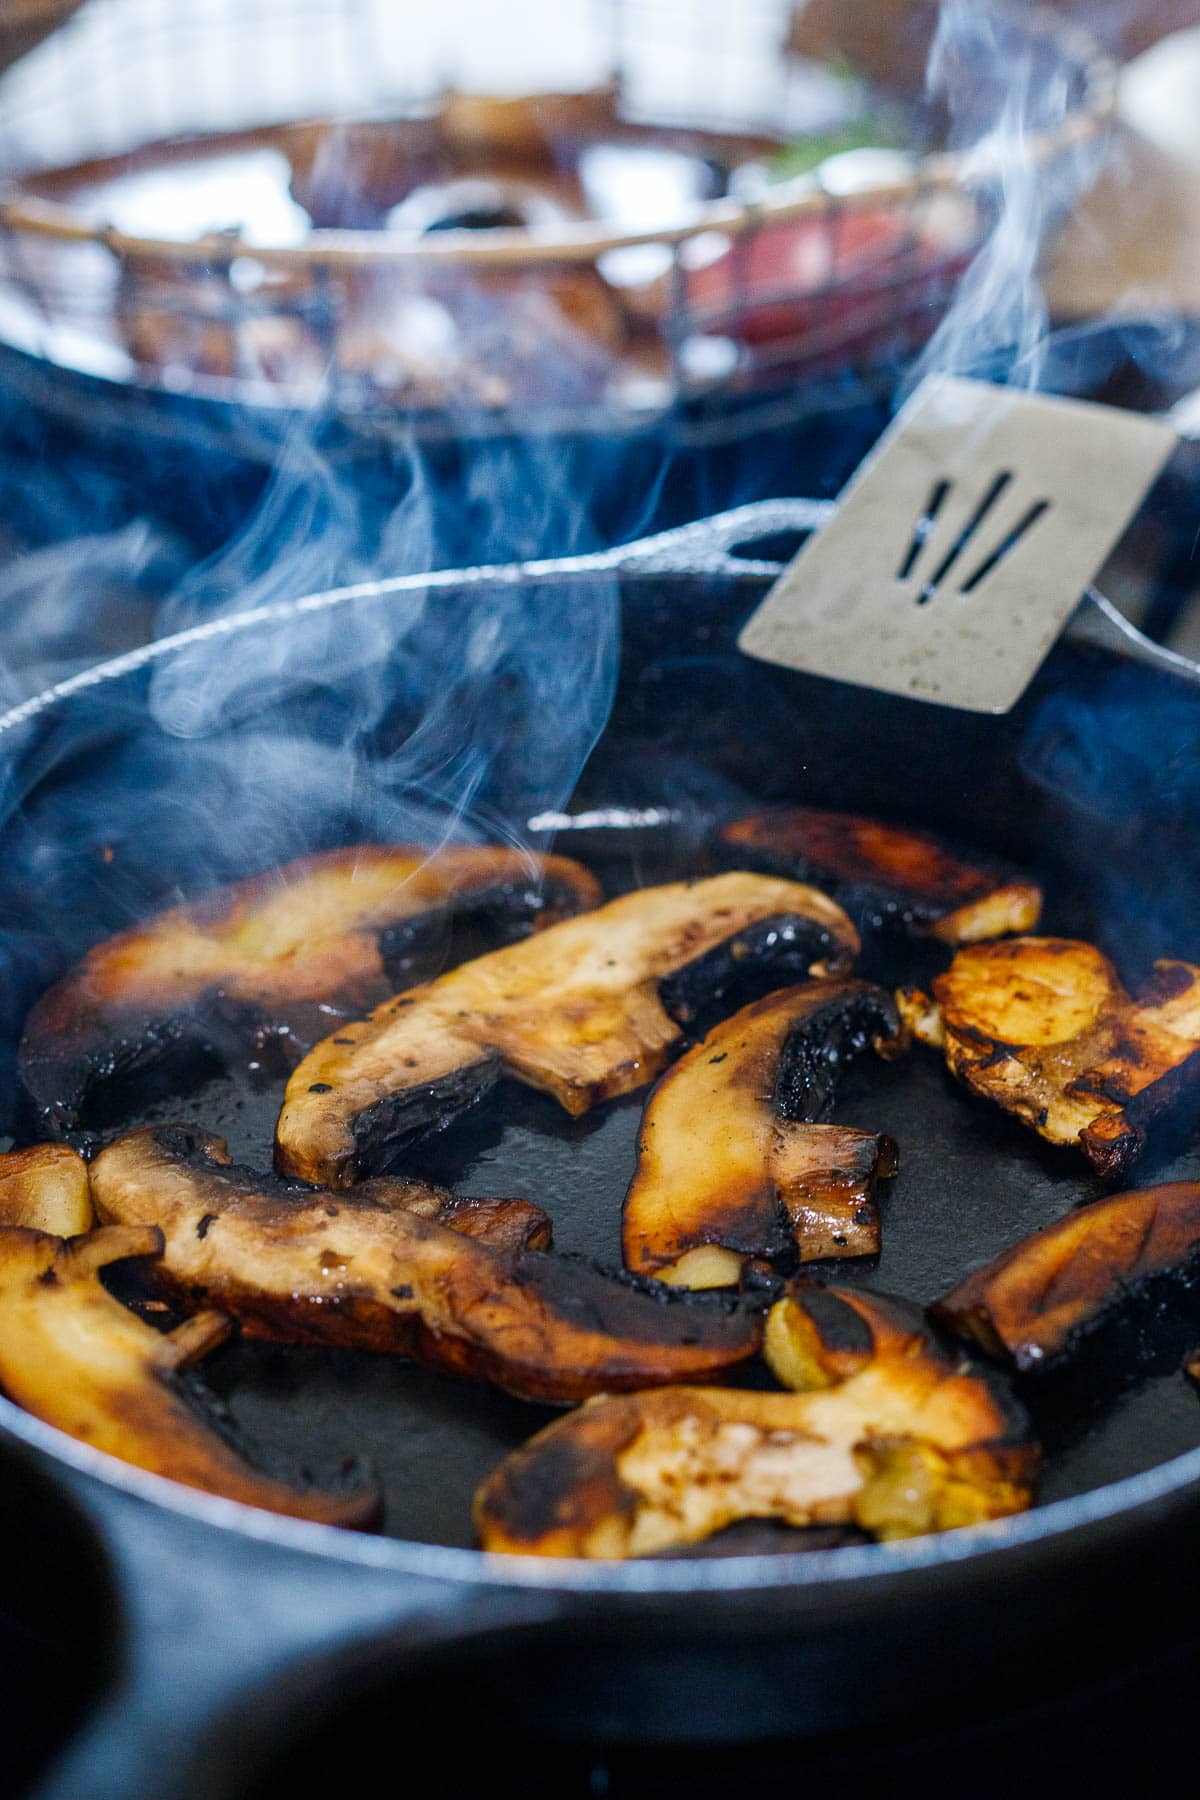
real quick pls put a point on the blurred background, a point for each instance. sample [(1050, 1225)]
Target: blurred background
[(298, 291)]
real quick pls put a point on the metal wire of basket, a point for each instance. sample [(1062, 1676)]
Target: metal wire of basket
[(25, 23), (124, 73)]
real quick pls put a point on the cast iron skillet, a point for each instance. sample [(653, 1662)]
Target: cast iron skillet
[(233, 1625)]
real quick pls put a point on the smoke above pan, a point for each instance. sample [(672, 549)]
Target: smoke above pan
[(461, 712)]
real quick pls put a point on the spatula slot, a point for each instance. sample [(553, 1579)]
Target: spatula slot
[(925, 524), (1025, 523), (997, 486)]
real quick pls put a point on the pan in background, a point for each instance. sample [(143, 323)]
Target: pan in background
[(289, 282)]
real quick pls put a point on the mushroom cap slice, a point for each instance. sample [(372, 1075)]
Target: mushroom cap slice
[(817, 1336), (309, 1266), (731, 1165), (45, 1188), (504, 1224), (1043, 1027), (74, 1356), (910, 1440), (887, 875), (269, 957), (589, 1010), (1035, 1301)]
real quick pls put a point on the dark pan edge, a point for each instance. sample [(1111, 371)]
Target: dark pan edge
[(812, 1569)]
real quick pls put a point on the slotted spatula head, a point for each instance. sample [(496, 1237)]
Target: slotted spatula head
[(962, 545)]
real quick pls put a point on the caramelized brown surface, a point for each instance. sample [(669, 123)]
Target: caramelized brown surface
[(363, 1270), (580, 1013), (45, 1188), (269, 957), (906, 1440), (1034, 1300), (884, 873), (818, 1336), (730, 1165), (1043, 1027), (507, 1224), (78, 1359)]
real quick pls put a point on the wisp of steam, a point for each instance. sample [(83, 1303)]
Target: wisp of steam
[(451, 710), (999, 90)]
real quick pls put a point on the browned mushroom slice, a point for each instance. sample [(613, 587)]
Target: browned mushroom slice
[(74, 1356), (590, 1010), (818, 1336), (1043, 1027), (885, 875), (304, 1265), (907, 1441), (505, 1224), (1035, 1301), (271, 958), (46, 1189), (730, 1164)]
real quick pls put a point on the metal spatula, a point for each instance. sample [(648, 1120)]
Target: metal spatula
[(962, 545)]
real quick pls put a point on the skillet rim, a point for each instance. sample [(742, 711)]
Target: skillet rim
[(807, 1571), (800, 1570)]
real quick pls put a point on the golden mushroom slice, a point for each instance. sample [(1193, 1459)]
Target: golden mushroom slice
[(1038, 1300), (304, 1265), (731, 1166), (74, 1356), (888, 875), (1044, 1028), (590, 1009), (45, 1188), (504, 1224), (900, 1439), (817, 1336), (272, 958)]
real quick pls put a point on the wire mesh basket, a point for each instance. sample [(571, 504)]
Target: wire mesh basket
[(195, 203)]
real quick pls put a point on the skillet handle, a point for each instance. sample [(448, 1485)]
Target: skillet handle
[(1097, 621), (710, 546), (226, 1636), (707, 546)]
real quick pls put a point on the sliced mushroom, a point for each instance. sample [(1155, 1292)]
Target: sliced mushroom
[(270, 958), (731, 1166), (504, 1224), (1043, 1027), (308, 1266), (885, 875), (1037, 1300), (590, 1010), (819, 1336), (900, 1440), (46, 1189), (74, 1356)]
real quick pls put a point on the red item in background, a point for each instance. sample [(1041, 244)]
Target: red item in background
[(820, 276)]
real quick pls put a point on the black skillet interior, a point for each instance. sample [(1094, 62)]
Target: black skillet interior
[(119, 806)]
